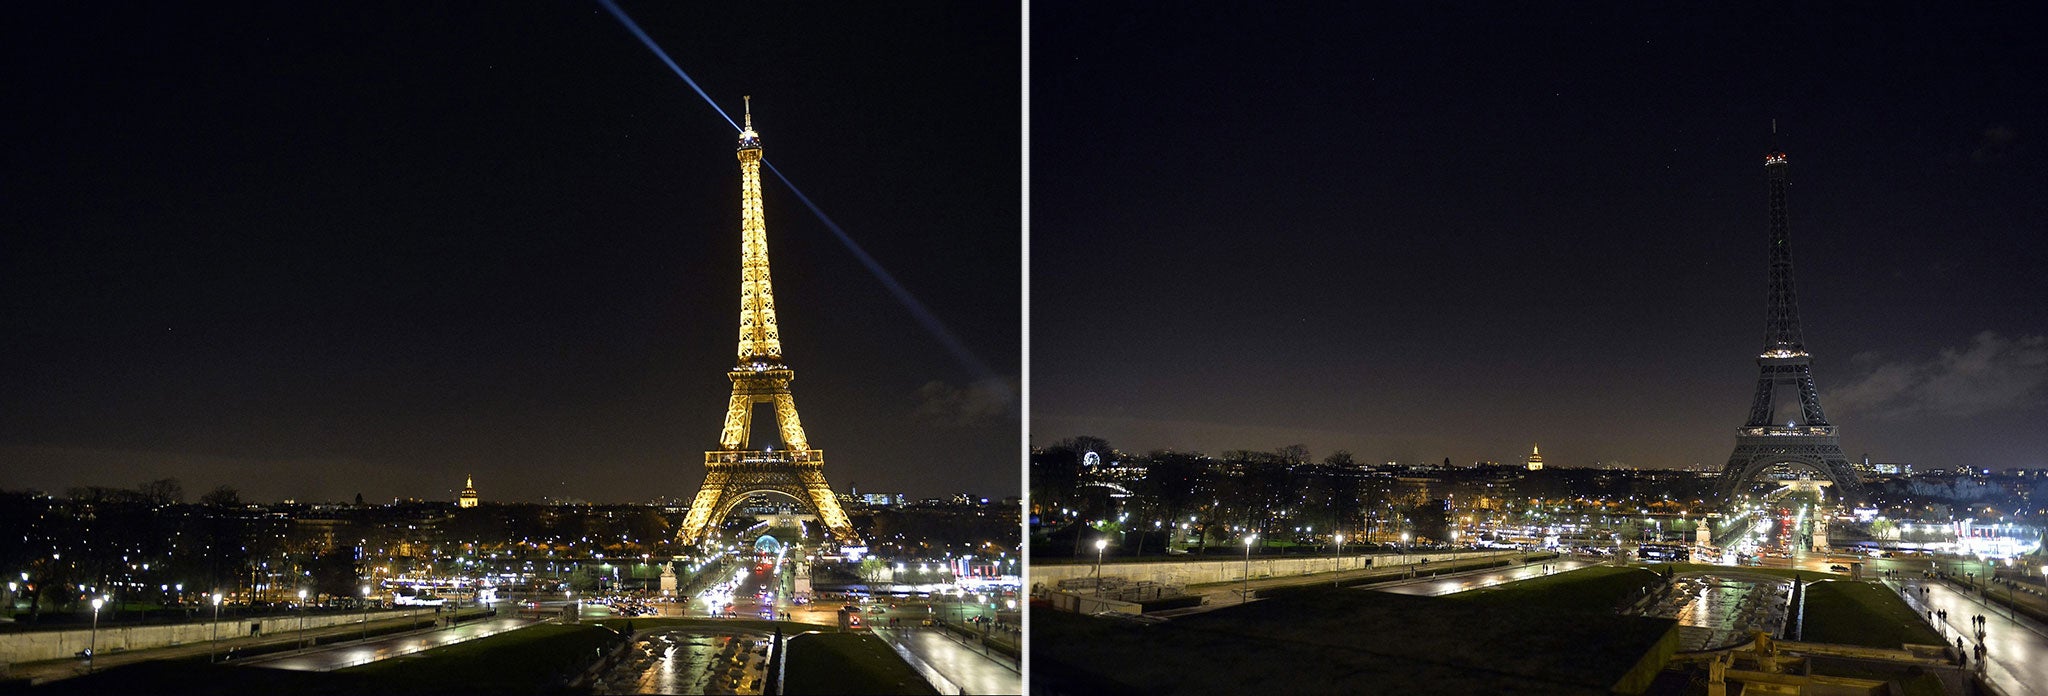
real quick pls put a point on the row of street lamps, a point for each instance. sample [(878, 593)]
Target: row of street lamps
[(1101, 545), (213, 648)]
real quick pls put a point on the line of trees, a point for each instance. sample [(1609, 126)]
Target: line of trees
[(1281, 495)]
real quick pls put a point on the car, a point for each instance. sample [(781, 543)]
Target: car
[(1839, 568)]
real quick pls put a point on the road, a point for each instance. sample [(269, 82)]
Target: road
[(1450, 584), (362, 653), (966, 667), (2017, 657)]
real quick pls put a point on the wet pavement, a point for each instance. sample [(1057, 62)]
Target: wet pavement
[(1451, 584), (365, 652), (690, 661), (2016, 651), (963, 666), (1717, 609)]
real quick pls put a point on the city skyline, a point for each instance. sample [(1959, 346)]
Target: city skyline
[(1420, 233), (314, 252)]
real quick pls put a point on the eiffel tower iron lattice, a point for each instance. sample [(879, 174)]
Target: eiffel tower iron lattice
[(737, 469), (1786, 424)]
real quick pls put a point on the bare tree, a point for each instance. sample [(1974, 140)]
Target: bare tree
[(162, 492)]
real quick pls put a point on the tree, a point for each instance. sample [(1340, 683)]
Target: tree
[(1431, 520), (223, 496), (334, 572), (1293, 454), (162, 492), (1341, 459), (1173, 480), (1056, 470)]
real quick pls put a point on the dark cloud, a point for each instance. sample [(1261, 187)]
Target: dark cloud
[(985, 402), (1991, 373)]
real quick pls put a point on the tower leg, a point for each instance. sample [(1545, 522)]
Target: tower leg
[(739, 416), (792, 426), (708, 498)]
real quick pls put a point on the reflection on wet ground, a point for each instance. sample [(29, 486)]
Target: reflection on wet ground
[(690, 662), (1715, 610)]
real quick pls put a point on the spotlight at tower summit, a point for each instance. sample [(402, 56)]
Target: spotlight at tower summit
[(917, 309)]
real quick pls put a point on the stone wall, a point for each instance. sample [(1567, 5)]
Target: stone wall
[(1212, 570), (30, 646), (1083, 604)]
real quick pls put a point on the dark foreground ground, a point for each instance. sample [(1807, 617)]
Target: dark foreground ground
[(1350, 641)]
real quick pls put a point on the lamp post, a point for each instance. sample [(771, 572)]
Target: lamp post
[(1100, 544), (1247, 595), (92, 646), (214, 649), (1337, 555), (366, 612), (302, 619)]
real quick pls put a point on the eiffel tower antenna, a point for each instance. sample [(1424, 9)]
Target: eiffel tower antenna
[(738, 469)]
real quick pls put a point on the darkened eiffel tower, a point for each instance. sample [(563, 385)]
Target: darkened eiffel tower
[(738, 469), (1786, 424)]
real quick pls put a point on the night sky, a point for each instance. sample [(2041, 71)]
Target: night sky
[(1425, 230), (318, 250)]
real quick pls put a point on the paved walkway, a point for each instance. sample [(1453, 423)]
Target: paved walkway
[(964, 667), (2016, 657), (1230, 592), (348, 655), (1477, 579)]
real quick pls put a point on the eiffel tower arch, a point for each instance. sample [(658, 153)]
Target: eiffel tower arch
[(738, 469), (1786, 423)]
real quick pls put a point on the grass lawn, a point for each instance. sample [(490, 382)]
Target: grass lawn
[(849, 663), (1860, 613), (1593, 588), (528, 660)]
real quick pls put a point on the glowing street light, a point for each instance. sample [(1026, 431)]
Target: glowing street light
[(215, 648), (90, 647), (302, 619), (366, 612), (1100, 545), (1247, 594)]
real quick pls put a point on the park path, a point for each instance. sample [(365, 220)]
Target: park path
[(2016, 657), (966, 668), (348, 655)]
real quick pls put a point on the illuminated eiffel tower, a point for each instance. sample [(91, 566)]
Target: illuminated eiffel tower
[(737, 470), (1786, 424)]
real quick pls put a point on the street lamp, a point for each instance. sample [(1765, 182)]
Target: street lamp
[(366, 612), (215, 648), (1100, 544), (302, 619), (1246, 596), (91, 647), (1337, 555)]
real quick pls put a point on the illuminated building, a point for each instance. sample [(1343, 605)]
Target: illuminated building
[(468, 497), (1535, 458), (737, 469)]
